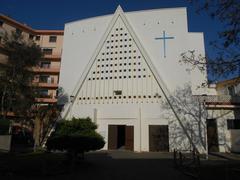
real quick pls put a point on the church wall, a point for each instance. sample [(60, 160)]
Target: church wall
[(81, 39), (150, 26), (198, 77), (138, 115), (141, 105)]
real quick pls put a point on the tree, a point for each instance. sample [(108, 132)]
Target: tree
[(75, 136), (44, 118), (193, 115), (16, 89), (227, 60), (4, 127)]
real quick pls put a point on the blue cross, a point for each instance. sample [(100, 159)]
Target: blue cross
[(164, 42)]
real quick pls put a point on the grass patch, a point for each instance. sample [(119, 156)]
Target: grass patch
[(33, 164)]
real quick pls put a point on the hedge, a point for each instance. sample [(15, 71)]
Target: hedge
[(77, 135), (4, 126)]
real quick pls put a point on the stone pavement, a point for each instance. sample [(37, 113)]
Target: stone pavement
[(125, 165), (228, 156)]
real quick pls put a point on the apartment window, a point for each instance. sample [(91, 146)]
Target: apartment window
[(31, 36), (37, 38), (18, 31), (43, 93), (45, 64), (231, 91), (52, 38), (233, 123), (44, 79), (47, 51)]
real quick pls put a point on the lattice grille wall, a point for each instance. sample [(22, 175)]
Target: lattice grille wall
[(119, 73)]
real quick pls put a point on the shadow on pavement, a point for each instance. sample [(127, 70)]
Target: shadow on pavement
[(125, 165)]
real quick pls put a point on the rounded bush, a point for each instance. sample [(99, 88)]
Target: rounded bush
[(77, 135)]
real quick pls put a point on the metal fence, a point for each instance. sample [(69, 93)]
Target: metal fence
[(188, 162), (219, 99)]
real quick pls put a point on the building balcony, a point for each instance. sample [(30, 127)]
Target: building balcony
[(49, 70), (46, 100), (52, 57), (46, 85), (221, 101)]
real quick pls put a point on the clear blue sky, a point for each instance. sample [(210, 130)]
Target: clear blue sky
[(52, 14)]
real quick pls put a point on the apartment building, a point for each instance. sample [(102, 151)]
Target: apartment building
[(47, 72)]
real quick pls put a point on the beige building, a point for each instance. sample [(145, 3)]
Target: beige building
[(50, 41), (223, 125)]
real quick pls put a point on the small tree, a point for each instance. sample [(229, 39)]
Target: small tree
[(44, 119), (75, 136)]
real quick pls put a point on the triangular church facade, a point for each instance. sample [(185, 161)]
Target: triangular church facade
[(118, 69)]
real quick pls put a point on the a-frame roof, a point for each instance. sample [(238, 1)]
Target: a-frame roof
[(118, 13)]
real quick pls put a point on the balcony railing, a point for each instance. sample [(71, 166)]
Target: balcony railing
[(46, 69), (45, 96), (47, 85), (46, 100), (52, 56), (220, 99)]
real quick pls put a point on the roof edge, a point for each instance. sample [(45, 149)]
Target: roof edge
[(27, 28)]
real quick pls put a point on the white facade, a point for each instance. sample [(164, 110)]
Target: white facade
[(119, 68)]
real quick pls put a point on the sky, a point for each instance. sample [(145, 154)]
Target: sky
[(53, 14)]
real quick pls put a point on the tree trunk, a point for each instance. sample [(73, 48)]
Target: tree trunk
[(37, 130), (2, 103)]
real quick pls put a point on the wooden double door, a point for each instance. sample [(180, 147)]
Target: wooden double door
[(158, 138), (120, 137)]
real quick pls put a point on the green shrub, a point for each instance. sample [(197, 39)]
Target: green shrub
[(77, 135), (4, 126)]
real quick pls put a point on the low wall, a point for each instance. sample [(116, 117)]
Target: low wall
[(5, 142)]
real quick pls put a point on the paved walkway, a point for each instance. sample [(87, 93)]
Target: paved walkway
[(124, 165), (228, 156)]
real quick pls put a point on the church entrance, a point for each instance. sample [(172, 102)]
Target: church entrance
[(120, 137), (158, 138)]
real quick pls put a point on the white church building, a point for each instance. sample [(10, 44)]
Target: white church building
[(118, 69)]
